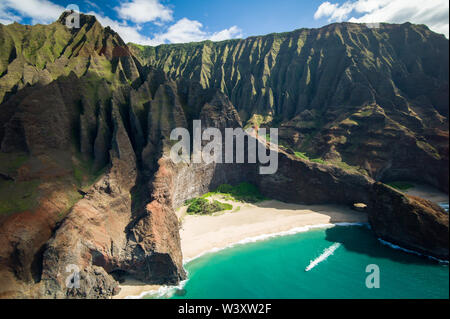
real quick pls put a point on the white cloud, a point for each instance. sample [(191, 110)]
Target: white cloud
[(334, 11), (186, 30), (93, 4), (40, 11), (6, 21), (435, 14), (231, 33), (5, 16), (128, 33), (140, 11), (134, 13), (183, 31)]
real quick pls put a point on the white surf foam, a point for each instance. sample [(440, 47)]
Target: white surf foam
[(262, 237), (326, 253), (444, 206), (168, 291), (411, 251), (161, 292)]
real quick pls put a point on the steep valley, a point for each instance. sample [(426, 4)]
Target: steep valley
[(85, 122), (371, 98)]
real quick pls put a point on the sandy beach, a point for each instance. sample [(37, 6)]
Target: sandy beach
[(133, 288), (200, 234)]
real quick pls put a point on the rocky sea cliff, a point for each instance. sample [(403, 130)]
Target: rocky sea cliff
[(85, 121)]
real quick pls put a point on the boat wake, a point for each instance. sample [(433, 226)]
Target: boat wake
[(326, 253)]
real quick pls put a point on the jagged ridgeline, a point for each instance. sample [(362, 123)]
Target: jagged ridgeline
[(373, 98), (85, 121), (368, 99), (40, 54), (83, 128), (83, 79)]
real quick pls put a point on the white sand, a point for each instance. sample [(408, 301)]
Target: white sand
[(200, 234), (134, 288)]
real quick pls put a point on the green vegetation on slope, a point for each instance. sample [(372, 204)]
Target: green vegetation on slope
[(44, 53), (339, 163), (18, 196), (243, 192), (201, 206), (20, 192), (84, 172), (303, 155), (403, 186), (303, 81)]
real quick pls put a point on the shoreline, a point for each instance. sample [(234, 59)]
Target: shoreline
[(246, 223), (134, 289), (253, 222), (290, 232)]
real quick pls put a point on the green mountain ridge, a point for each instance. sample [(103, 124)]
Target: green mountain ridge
[(41, 54), (85, 121), (343, 92)]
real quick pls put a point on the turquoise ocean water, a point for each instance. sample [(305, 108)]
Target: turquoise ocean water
[(336, 257)]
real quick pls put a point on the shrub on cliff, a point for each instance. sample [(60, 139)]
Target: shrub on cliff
[(244, 192), (403, 186), (204, 207)]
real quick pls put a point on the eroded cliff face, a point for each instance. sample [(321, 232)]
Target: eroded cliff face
[(110, 150), (86, 177), (408, 221), (373, 98)]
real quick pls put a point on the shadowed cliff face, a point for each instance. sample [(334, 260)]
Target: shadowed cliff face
[(374, 98), (409, 221), (86, 179), (110, 151)]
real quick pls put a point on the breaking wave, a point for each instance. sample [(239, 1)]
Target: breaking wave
[(292, 231), (411, 251)]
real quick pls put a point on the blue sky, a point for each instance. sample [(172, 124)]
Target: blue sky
[(154, 22)]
